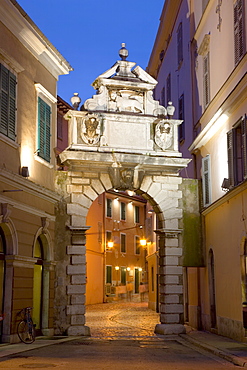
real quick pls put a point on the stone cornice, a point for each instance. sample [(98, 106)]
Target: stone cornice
[(24, 29)]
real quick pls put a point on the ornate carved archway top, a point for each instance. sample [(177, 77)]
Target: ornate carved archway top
[(122, 124)]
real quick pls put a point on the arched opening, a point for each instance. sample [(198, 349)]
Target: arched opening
[(2, 278), (211, 272), (38, 285), (118, 242)]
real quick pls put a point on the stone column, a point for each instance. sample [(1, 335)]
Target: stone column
[(170, 284), (77, 288)]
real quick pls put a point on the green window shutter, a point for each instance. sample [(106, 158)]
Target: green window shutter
[(44, 129), (7, 102)]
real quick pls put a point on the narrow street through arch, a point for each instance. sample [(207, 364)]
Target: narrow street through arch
[(121, 320)]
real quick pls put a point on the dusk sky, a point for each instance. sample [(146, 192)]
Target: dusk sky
[(89, 33)]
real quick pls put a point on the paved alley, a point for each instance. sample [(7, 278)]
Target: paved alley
[(121, 320)]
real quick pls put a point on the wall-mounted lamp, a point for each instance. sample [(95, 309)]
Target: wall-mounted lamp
[(116, 268), (225, 184), (143, 242), (128, 269), (25, 171), (140, 269), (110, 244)]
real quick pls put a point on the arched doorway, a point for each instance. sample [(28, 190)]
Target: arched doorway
[(2, 278), (123, 139), (38, 285), (211, 275)]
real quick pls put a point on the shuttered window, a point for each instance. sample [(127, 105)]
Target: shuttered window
[(206, 81), (181, 127), (108, 207), (7, 103), (44, 130), (123, 243), (123, 211), (180, 44), (168, 88), (206, 180), (239, 31), (137, 215), (237, 152)]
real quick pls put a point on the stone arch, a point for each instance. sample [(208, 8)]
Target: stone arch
[(164, 195), (11, 250), (47, 266)]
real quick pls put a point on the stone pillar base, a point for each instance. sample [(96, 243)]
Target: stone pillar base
[(78, 330), (169, 329)]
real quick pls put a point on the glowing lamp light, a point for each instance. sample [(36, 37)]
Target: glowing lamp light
[(128, 269), (116, 268), (143, 242), (110, 244), (140, 269)]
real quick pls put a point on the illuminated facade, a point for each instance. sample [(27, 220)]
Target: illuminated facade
[(210, 58), (29, 70), (116, 261)]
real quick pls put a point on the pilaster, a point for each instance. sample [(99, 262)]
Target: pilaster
[(76, 289), (170, 283)]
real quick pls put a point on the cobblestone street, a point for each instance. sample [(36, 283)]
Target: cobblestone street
[(121, 320)]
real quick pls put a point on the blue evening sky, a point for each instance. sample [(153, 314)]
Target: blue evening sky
[(89, 33)]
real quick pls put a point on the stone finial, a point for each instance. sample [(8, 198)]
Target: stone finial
[(123, 52)]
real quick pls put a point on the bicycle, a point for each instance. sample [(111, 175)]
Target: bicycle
[(26, 328)]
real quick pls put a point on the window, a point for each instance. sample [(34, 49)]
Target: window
[(108, 207), (108, 275), (123, 275), (206, 81), (168, 88), (181, 127), (206, 187), (137, 245), (108, 236), (239, 31), (237, 152), (163, 97), (44, 130), (59, 126), (7, 103), (137, 214), (180, 44), (123, 243), (123, 211)]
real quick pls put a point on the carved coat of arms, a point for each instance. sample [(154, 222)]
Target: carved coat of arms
[(90, 131), (163, 134)]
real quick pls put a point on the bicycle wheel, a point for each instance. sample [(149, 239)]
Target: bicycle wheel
[(25, 332)]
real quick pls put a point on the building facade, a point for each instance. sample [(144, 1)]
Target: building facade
[(215, 54), (116, 261), (29, 70)]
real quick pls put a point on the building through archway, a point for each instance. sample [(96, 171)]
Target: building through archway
[(122, 139)]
